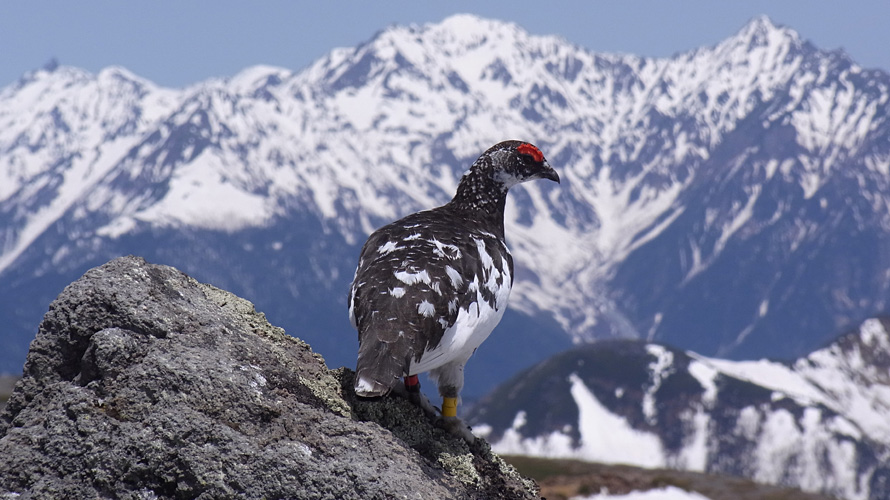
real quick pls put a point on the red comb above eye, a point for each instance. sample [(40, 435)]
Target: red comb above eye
[(528, 149)]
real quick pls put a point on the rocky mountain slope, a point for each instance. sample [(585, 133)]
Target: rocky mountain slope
[(819, 423), (144, 383), (715, 200)]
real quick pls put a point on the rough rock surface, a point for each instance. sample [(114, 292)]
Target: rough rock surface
[(143, 383)]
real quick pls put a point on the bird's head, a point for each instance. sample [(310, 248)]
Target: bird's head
[(484, 186), (513, 162)]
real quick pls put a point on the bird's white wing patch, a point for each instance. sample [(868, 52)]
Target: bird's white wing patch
[(425, 308), (388, 247), (352, 307), (409, 278), (445, 250), (456, 279), (472, 326)]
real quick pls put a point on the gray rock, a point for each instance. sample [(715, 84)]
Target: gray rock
[(143, 383)]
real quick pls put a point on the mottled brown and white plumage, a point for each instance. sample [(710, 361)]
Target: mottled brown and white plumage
[(430, 287)]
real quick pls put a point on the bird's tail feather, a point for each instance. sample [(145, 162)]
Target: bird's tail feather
[(369, 388), (381, 365)]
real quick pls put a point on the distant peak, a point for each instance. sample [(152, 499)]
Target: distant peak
[(470, 22), (53, 70), (118, 73), (471, 27), (258, 77), (761, 30), (762, 22), (51, 65)]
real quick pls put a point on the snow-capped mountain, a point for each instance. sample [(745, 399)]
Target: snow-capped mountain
[(819, 423), (714, 200)]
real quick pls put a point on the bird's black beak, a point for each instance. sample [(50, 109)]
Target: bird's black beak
[(547, 172)]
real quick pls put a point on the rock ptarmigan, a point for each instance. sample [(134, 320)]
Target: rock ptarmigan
[(430, 287)]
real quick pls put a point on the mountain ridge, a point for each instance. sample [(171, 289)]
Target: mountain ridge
[(296, 168), (816, 423)]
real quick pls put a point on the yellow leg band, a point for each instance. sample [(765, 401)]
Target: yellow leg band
[(449, 407)]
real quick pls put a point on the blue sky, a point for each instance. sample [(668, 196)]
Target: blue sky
[(175, 43)]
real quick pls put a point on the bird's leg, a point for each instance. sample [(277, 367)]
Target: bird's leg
[(449, 420), (412, 386)]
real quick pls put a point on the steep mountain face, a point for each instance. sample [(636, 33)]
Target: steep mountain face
[(714, 200), (819, 423), (787, 210)]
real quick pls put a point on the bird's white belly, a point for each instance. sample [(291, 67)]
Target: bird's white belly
[(470, 329)]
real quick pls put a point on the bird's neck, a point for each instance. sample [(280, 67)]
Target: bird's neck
[(481, 198)]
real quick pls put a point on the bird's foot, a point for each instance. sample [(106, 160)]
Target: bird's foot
[(446, 418), (457, 427), (411, 391), (420, 399)]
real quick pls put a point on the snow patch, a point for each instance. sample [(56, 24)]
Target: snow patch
[(660, 369), (605, 437), (705, 374), (666, 493)]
